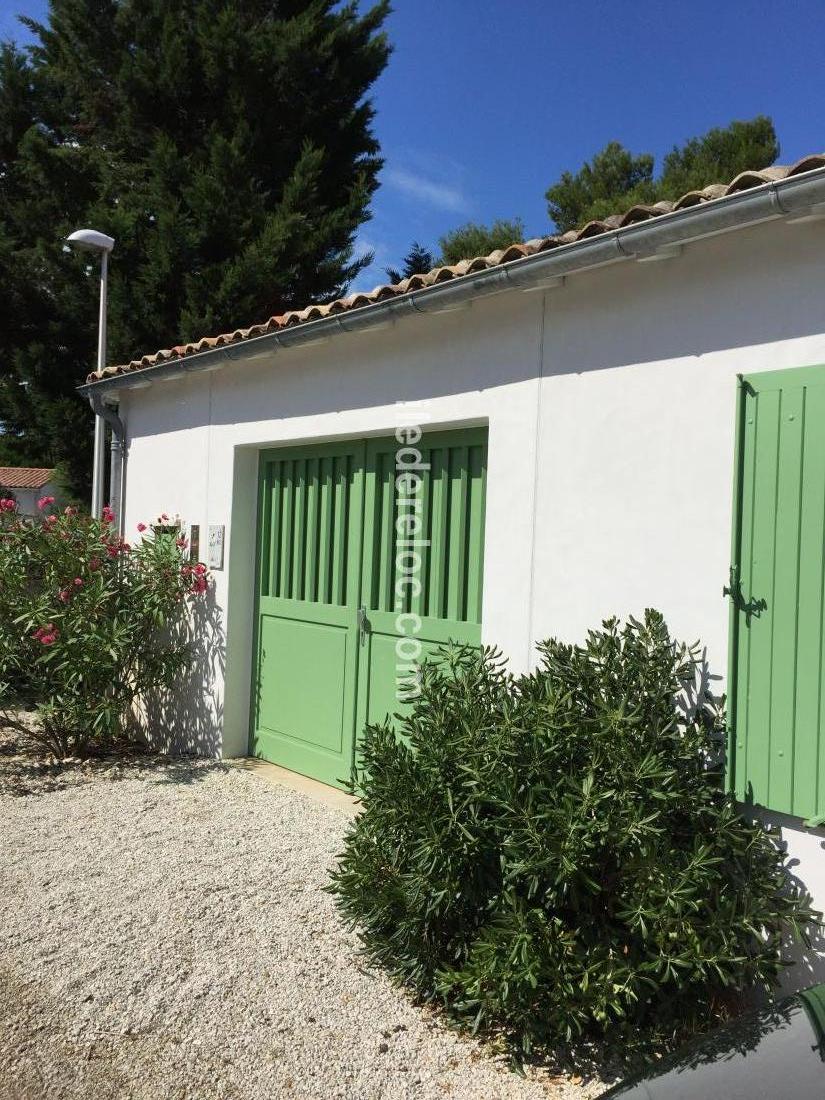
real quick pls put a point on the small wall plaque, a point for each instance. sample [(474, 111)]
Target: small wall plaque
[(215, 560), (194, 543)]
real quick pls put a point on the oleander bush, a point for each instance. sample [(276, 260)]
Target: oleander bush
[(553, 856), (88, 623)]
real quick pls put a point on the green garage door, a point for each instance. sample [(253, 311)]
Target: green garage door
[(342, 554), (777, 586)]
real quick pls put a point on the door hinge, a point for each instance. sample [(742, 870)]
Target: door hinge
[(732, 587), (734, 590), (363, 625)]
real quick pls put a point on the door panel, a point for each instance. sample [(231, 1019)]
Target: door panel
[(311, 511), (388, 685), (329, 545), (303, 666), (777, 638), (448, 551)]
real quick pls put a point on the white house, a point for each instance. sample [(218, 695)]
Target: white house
[(629, 415), (28, 484)]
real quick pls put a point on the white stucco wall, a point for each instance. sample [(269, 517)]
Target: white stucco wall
[(610, 404)]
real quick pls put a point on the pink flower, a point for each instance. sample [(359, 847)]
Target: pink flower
[(78, 581), (8, 505), (94, 564), (141, 527), (50, 519), (70, 511), (180, 542), (107, 515), (164, 516), (63, 595), (199, 585), (200, 569), (44, 502), (47, 634)]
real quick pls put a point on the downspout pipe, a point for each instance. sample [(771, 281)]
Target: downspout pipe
[(106, 412)]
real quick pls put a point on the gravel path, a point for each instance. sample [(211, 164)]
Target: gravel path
[(163, 934)]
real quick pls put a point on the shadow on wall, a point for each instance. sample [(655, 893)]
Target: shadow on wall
[(805, 847), (188, 719)]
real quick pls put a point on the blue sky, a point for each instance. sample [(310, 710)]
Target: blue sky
[(486, 102)]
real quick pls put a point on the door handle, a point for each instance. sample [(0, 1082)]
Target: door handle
[(363, 625)]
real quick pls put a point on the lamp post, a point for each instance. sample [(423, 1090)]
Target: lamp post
[(92, 241)]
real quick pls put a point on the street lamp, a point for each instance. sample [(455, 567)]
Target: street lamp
[(92, 241)]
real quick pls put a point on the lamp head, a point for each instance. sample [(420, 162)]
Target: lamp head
[(91, 240)]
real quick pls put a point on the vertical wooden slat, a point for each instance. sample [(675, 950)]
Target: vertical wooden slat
[(264, 526), (762, 587), (299, 529), (440, 489), (735, 570), (785, 599), (808, 698), (273, 474), (369, 575), (458, 533), (745, 555), (386, 540), (287, 498), (311, 585), (355, 528), (418, 604), (339, 529), (325, 530), (475, 536), (346, 545)]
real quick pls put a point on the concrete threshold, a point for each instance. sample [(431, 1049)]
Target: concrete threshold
[(283, 777)]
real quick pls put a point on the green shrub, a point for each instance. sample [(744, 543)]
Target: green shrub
[(553, 856), (88, 623)]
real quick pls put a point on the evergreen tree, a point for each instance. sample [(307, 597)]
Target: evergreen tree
[(473, 239), (719, 156), (616, 179), (418, 261), (227, 145), (601, 187)]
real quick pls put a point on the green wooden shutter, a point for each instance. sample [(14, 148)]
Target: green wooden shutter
[(778, 608)]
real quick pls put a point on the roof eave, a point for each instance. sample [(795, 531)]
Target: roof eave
[(788, 198)]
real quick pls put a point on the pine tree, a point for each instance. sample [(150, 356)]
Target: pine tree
[(418, 261), (227, 145), (473, 239), (616, 179)]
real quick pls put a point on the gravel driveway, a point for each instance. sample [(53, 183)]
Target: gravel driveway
[(163, 934)]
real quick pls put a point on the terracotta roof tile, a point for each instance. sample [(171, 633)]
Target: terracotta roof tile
[(359, 299), (24, 477)]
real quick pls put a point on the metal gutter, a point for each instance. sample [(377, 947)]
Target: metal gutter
[(660, 237)]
